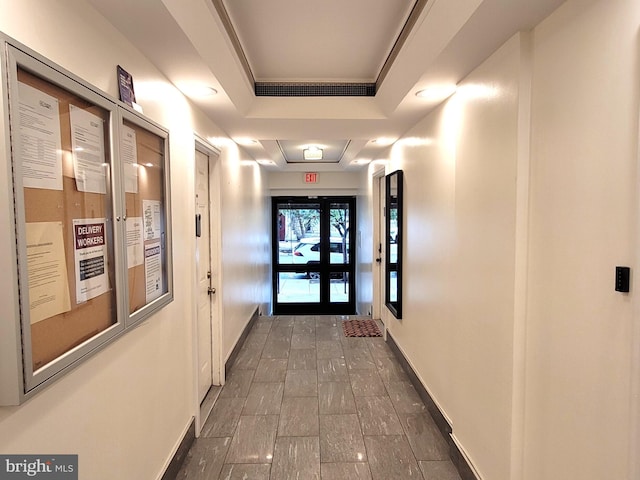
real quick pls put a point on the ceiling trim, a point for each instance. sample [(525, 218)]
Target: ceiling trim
[(418, 7), (233, 37)]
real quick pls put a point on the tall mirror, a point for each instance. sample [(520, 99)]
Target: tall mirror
[(393, 241)]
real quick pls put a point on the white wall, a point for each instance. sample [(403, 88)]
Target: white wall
[(584, 194), (460, 193), (125, 409), (246, 243), (329, 183), (520, 202)]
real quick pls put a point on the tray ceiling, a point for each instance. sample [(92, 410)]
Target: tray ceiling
[(398, 46), (297, 41)]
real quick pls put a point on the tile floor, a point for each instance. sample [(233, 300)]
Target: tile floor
[(304, 402)]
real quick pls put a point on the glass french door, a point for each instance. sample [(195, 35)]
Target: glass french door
[(313, 255)]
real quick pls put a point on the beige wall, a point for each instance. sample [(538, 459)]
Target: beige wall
[(520, 202), (125, 409), (329, 183), (584, 194), (460, 167), (246, 244)]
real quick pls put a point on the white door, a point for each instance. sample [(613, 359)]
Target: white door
[(203, 268)]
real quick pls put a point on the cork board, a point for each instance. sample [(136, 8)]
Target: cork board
[(150, 156), (56, 335)]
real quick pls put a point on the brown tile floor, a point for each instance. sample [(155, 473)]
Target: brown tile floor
[(304, 402)]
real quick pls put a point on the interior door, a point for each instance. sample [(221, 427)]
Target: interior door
[(203, 267)]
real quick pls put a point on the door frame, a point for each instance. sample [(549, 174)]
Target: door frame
[(378, 225), (203, 410), (327, 307)]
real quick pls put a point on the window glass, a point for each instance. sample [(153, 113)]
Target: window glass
[(61, 142)]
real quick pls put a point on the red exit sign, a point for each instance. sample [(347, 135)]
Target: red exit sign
[(311, 177)]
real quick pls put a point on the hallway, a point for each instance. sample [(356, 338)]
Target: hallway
[(516, 130), (304, 401)]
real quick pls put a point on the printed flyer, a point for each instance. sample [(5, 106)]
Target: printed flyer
[(87, 141), (153, 270), (134, 241), (90, 248), (152, 214), (40, 148), (129, 155), (47, 270)]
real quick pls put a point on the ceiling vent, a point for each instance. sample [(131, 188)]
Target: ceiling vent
[(304, 89)]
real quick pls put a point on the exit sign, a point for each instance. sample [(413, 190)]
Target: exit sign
[(311, 177)]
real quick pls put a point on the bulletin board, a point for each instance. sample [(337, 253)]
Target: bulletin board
[(92, 226), (83, 315), (147, 276)]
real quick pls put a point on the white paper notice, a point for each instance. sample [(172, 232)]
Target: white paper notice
[(87, 142), (129, 154), (152, 219), (135, 246), (40, 150), (153, 270), (90, 246), (47, 271)]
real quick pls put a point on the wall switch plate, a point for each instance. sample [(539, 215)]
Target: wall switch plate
[(623, 275)]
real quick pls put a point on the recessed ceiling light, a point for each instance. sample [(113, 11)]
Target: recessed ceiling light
[(264, 161), (219, 141), (198, 91), (384, 141), (245, 141), (415, 141), (312, 153), (362, 161), (437, 92), (478, 90)]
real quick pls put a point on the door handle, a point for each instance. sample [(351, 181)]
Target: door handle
[(211, 290), (378, 260)]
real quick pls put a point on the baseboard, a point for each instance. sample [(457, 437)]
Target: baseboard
[(243, 336), (462, 463), (457, 457), (206, 407), (181, 452)]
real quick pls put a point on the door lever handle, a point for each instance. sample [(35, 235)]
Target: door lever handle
[(211, 290)]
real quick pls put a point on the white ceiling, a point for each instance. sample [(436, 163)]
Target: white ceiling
[(293, 40), (318, 41)]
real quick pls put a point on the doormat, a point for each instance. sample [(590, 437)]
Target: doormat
[(361, 328)]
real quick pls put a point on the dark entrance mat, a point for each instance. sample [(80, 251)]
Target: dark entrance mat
[(361, 328)]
